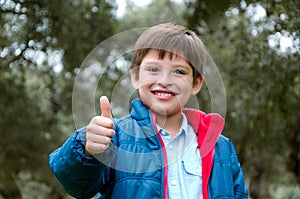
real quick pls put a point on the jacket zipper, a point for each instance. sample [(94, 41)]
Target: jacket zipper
[(165, 158)]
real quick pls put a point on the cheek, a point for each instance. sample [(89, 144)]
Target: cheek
[(142, 85), (186, 84), (146, 80), (141, 82)]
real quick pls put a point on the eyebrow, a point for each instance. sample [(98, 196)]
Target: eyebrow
[(158, 64)]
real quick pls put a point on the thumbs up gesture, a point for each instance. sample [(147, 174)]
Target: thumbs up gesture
[(100, 130)]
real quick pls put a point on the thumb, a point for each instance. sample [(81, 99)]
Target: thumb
[(105, 107)]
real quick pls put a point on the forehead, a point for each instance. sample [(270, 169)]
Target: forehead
[(164, 57)]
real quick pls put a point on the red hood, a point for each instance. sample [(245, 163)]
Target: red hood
[(207, 126)]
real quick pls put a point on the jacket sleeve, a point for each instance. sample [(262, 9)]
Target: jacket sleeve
[(227, 178), (240, 188), (81, 176)]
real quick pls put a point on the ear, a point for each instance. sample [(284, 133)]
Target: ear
[(197, 85), (134, 78)]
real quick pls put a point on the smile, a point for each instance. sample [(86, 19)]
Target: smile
[(163, 94)]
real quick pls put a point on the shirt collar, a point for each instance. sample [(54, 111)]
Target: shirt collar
[(183, 128)]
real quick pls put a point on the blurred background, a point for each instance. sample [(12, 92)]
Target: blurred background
[(254, 43)]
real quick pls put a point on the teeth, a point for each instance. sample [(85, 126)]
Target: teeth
[(164, 94)]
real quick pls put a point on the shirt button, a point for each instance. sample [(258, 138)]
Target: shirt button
[(173, 182), (170, 147)]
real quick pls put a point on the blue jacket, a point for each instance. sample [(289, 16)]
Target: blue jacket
[(135, 166)]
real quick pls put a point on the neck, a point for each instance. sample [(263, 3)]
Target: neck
[(170, 123)]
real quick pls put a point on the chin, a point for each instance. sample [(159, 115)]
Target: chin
[(158, 109)]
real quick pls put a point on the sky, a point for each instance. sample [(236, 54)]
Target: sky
[(122, 5)]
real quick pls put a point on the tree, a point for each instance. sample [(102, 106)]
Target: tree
[(206, 13), (17, 132), (262, 83), (154, 13), (42, 46)]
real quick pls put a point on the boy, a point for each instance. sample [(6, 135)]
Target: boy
[(161, 150)]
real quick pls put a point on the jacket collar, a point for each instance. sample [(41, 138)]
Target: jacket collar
[(207, 126), (139, 110)]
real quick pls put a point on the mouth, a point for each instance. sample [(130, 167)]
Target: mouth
[(163, 93)]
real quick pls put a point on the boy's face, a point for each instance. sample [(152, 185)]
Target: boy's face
[(165, 85)]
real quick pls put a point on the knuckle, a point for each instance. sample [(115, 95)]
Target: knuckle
[(88, 147), (102, 148), (111, 133), (88, 138), (107, 140), (110, 122), (96, 120), (88, 128)]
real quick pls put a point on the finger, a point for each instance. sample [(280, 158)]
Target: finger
[(98, 139), (102, 121), (100, 130), (96, 148), (105, 107)]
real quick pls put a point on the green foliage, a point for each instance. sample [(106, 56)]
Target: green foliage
[(206, 14), (156, 12), (284, 192), (262, 87), (43, 43), (42, 46), (23, 140)]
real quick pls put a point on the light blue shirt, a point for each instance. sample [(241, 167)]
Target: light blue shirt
[(184, 163)]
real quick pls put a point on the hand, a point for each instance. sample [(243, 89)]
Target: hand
[(100, 130)]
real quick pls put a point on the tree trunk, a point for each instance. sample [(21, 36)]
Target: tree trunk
[(293, 162)]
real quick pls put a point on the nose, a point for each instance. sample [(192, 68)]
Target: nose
[(165, 79)]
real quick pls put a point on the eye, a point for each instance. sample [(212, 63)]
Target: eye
[(179, 72), (152, 68)]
